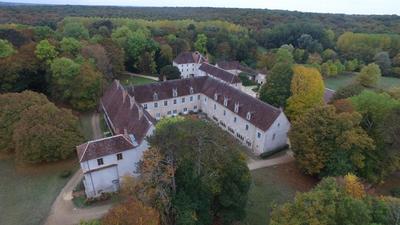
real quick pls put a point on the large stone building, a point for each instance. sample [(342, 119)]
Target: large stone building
[(132, 112)]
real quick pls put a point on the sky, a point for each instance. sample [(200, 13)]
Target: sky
[(324, 6)]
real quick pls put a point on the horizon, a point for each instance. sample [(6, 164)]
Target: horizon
[(355, 7)]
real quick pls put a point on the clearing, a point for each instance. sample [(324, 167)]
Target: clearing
[(335, 83), (274, 185)]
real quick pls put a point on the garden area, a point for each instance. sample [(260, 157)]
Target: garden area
[(272, 186), (27, 192), (342, 80)]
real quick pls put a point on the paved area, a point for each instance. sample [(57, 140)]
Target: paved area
[(63, 210), (258, 164)]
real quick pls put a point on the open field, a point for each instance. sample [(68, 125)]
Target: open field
[(132, 80), (27, 192), (345, 79), (274, 185)]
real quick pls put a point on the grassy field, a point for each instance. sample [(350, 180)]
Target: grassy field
[(343, 80), (86, 125), (131, 80), (27, 193), (273, 185)]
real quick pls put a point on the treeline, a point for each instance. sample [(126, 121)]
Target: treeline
[(253, 18)]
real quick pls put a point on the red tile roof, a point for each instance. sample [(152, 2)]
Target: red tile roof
[(102, 147), (219, 73)]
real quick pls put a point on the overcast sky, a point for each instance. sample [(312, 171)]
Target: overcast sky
[(328, 6)]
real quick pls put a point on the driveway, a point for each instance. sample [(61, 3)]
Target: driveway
[(258, 164), (63, 210)]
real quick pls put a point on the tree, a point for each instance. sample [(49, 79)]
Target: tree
[(12, 105), (46, 133), (6, 48), (116, 56), (353, 187), (45, 51), (201, 43), (70, 46), (369, 75), (131, 212), (169, 73), (329, 203), (348, 91), (276, 90), (75, 30), (328, 54), (382, 59), (87, 88), (146, 63), (327, 143), (63, 72), (307, 89), (283, 55)]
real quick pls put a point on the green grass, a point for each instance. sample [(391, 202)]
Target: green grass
[(86, 125), (131, 80), (273, 186), (345, 79), (26, 194)]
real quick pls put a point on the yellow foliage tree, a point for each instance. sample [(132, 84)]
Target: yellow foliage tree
[(307, 90), (353, 186)]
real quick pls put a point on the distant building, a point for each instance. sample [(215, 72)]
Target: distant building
[(236, 68), (188, 63)]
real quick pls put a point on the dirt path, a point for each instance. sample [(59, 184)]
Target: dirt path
[(257, 164), (63, 210), (97, 133)]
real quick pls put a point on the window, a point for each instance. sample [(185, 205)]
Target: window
[(169, 113), (174, 92), (248, 116), (198, 97), (185, 109), (258, 135), (273, 137), (205, 99), (119, 156), (279, 124), (175, 111), (158, 115), (191, 90), (174, 101), (183, 100), (234, 119), (191, 98), (155, 96), (145, 106), (236, 107), (225, 102), (215, 106), (155, 105), (224, 113), (195, 107), (100, 161), (215, 96), (165, 103), (247, 127)]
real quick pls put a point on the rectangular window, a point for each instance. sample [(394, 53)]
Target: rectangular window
[(247, 127), (234, 119), (224, 113), (183, 100), (205, 99), (175, 111), (119, 156), (174, 101), (198, 97), (158, 115), (215, 106), (258, 134), (100, 161), (195, 107), (273, 137), (145, 106), (155, 105), (191, 98), (169, 113), (165, 103)]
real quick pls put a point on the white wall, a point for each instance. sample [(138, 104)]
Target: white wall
[(280, 128), (188, 69)]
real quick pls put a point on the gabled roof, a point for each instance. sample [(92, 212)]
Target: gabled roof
[(102, 147), (235, 65), (124, 113), (189, 57), (219, 73)]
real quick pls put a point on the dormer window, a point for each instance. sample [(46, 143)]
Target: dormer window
[(155, 96), (215, 96), (191, 90), (174, 92), (248, 116), (225, 101), (236, 109)]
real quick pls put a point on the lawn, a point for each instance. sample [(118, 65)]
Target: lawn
[(345, 79), (132, 80), (27, 193), (271, 186), (85, 121)]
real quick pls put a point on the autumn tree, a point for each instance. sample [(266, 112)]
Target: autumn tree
[(46, 133), (116, 56), (75, 30), (327, 143), (45, 51), (131, 212), (63, 72), (307, 91), (70, 46), (6, 48), (170, 72), (369, 75), (353, 186), (276, 89)]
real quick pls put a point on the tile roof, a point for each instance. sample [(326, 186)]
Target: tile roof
[(189, 57), (262, 114), (102, 147), (219, 73), (124, 113), (235, 65)]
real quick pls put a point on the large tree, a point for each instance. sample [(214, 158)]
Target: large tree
[(369, 75), (63, 72), (201, 43), (307, 89), (45, 51), (6, 48), (276, 90), (327, 143), (169, 72)]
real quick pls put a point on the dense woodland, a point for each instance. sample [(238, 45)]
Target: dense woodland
[(53, 56)]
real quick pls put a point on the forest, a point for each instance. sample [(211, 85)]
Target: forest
[(55, 62)]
